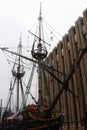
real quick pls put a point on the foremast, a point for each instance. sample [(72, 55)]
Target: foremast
[(18, 73)]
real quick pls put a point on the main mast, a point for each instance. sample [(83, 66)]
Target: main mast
[(39, 51)]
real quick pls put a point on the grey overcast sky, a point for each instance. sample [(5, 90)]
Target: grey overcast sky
[(19, 15)]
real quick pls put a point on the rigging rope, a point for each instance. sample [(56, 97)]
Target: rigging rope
[(49, 26)]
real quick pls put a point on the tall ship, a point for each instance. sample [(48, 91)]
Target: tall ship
[(36, 116), (42, 113)]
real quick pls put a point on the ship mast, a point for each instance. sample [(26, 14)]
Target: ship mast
[(18, 73), (39, 51), (40, 25)]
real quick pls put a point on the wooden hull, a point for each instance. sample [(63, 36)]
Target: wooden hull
[(39, 124)]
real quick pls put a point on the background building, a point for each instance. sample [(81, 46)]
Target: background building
[(64, 58)]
